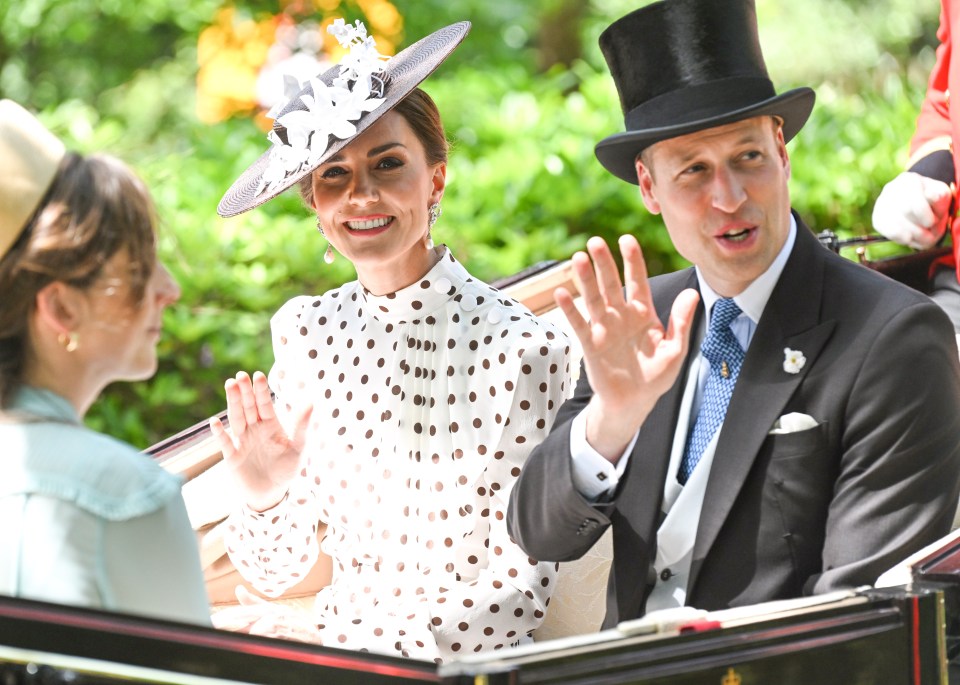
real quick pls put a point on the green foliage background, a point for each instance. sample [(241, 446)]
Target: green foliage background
[(523, 184)]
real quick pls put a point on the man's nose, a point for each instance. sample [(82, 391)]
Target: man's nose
[(728, 191)]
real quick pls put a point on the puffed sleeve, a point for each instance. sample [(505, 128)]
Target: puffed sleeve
[(509, 597), (275, 549)]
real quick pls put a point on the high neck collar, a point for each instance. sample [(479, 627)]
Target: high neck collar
[(420, 299)]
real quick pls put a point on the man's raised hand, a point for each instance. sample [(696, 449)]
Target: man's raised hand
[(630, 358)]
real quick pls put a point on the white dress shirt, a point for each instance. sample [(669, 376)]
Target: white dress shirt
[(594, 476)]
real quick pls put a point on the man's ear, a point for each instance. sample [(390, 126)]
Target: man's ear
[(645, 180), (60, 307), (782, 151)]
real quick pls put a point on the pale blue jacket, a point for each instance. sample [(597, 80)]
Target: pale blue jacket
[(87, 520)]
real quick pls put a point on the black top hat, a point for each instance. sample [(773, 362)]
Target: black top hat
[(401, 74), (682, 66)]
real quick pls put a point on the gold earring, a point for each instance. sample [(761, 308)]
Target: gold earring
[(69, 341), (320, 227)]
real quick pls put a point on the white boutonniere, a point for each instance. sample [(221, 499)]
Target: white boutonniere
[(793, 360)]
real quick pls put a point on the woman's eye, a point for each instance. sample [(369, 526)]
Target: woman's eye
[(333, 172), (389, 163)]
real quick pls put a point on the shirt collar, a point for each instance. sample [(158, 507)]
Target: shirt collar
[(753, 300), (43, 404)]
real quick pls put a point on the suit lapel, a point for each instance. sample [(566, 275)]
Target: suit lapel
[(790, 319)]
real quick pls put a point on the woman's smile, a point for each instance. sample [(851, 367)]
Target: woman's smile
[(369, 225)]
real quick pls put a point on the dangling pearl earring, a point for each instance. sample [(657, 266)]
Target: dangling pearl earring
[(329, 255), (433, 212)]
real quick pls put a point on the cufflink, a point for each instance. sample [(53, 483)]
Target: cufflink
[(601, 476)]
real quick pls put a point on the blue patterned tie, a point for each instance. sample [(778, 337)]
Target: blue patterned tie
[(725, 355)]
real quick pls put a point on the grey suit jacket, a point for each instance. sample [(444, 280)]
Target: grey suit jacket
[(791, 514)]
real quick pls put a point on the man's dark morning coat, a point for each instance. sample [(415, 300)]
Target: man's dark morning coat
[(784, 515)]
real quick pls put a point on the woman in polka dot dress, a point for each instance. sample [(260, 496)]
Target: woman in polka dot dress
[(406, 404)]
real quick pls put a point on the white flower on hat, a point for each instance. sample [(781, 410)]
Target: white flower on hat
[(320, 119), (330, 110), (793, 360), (284, 160)]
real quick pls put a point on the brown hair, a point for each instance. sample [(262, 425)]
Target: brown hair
[(95, 207), (422, 114)]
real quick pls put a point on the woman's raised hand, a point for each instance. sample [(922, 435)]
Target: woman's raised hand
[(259, 452)]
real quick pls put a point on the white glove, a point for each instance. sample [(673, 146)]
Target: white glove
[(912, 210)]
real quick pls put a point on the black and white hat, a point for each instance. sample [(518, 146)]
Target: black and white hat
[(335, 107)]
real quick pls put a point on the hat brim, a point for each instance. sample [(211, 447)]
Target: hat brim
[(618, 153), (402, 73)]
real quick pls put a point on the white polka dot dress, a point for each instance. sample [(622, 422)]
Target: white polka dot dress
[(427, 402)]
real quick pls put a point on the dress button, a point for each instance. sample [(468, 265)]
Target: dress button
[(468, 303), (442, 285), (666, 574), (495, 316)]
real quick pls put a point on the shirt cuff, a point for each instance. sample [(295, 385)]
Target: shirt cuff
[(938, 165), (594, 476)]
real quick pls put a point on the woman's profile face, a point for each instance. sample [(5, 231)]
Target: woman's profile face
[(372, 200), (118, 334)]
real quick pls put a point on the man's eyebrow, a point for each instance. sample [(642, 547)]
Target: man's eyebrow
[(748, 138), (372, 153)]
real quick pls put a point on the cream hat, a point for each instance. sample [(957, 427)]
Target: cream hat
[(30, 155)]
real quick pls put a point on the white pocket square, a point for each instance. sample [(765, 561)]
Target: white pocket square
[(793, 422)]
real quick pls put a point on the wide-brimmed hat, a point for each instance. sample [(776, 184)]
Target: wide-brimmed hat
[(294, 154), (681, 66), (31, 156)]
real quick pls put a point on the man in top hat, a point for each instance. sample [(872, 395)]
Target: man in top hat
[(775, 421)]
